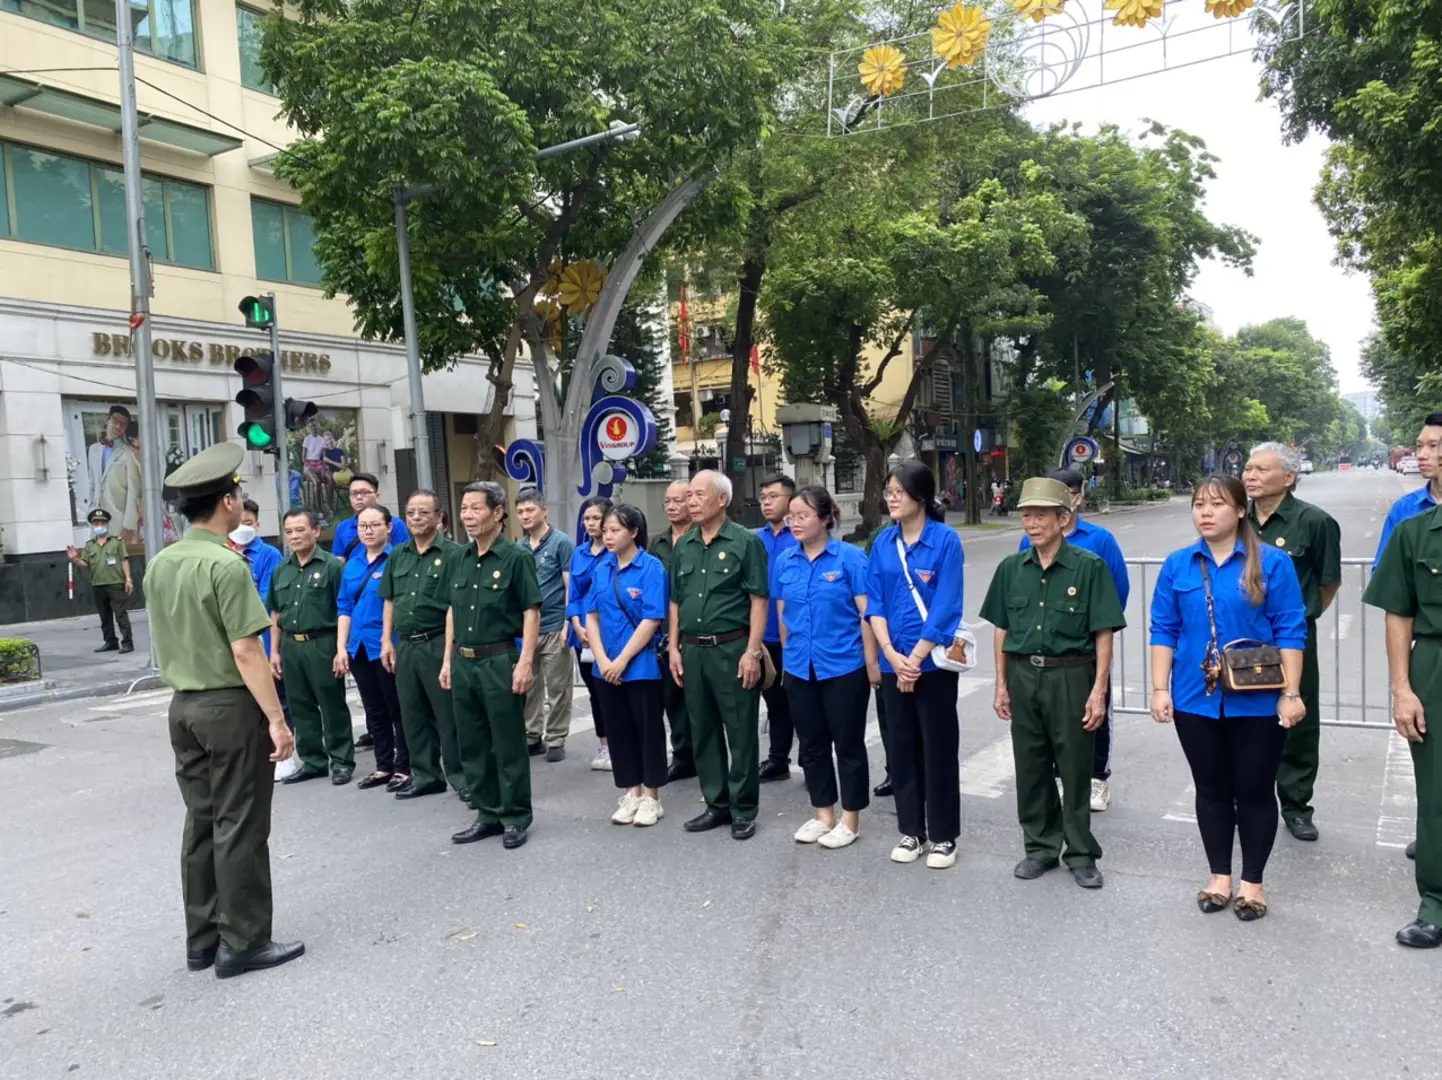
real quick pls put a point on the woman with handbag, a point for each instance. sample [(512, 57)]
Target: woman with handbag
[(589, 551), (625, 609), (826, 653), (913, 602), (1228, 629)]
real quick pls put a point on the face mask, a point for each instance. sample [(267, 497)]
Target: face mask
[(101, 530), (242, 535)]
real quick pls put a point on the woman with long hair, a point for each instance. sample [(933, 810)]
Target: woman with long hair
[(913, 602), (590, 550), (1228, 588)]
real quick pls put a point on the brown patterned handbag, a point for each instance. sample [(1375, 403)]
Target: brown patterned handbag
[(1241, 665)]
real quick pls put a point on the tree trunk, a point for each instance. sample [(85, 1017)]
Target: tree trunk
[(872, 499), (969, 350), (748, 288)]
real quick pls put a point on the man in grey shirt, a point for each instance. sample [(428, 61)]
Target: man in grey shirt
[(548, 704)]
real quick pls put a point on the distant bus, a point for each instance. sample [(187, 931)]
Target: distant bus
[(1344, 462)]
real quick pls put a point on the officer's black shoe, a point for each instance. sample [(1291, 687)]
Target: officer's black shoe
[(201, 959), (1420, 935), (771, 769), (1030, 869), (514, 838), (1412, 850), (1088, 877), (680, 771), (477, 831), (1302, 828), (365, 742), (300, 776), (535, 749), (707, 820), (410, 791), (109, 646), (341, 776), (743, 830), (883, 789), (465, 797), (127, 647), (272, 954)]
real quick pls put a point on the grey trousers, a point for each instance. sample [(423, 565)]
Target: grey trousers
[(548, 704)]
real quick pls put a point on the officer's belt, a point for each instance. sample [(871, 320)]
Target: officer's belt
[(481, 651), (310, 635), (422, 635), (1070, 660), (706, 641)]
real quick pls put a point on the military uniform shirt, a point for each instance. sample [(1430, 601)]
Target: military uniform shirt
[(491, 593), (712, 584), (1313, 539), (1408, 581), (662, 547), (416, 586), (1101, 543), (306, 595), (201, 599), (1056, 611), (106, 560)]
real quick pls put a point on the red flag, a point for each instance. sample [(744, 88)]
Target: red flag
[(756, 360), (683, 330)]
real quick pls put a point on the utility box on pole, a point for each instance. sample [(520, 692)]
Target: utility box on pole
[(806, 435)]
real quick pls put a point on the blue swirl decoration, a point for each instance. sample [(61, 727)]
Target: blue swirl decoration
[(614, 375), (526, 463), (599, 476)]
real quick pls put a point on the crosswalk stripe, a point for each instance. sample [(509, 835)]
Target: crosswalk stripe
[(1397, 820), (136, 701), (987, 773)]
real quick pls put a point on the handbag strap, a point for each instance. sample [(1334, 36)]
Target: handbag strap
[(915, 595), (1212, 659), (616, 584)]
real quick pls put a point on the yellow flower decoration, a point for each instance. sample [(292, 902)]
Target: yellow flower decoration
[(1228, 9), (959, 35), (548, 313), (581, 285), (882, 69), (1037, 10), (553, 278), (1134, 12)]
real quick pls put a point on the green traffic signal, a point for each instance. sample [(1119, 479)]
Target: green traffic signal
[(256, 436), (259, 312)]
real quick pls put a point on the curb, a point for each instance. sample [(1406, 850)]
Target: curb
[(143, 680)]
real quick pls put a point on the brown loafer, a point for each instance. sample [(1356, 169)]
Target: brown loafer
[(1210, 902), (1249, 910)]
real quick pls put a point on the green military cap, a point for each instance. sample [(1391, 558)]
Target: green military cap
[(1043, 491), (214, 469), (103, 515)]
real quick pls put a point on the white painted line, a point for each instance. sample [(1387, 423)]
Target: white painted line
[(136, 701), (1397, 819), (986, 774), (1185, 806), (1368, 534), (1343, 630)]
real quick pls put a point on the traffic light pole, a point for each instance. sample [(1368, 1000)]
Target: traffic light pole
[(420, 438), (282, 442)]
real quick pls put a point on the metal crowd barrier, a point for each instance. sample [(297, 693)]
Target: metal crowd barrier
[(1351, 650)]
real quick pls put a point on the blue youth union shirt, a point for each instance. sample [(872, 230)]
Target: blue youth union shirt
[(937, 562), (1409, 505), (644, 589), (360, 598), (263, 560), (776, 545), (583, 566), (818, 598), (1101, 543), (1179, 621), (346, 542)]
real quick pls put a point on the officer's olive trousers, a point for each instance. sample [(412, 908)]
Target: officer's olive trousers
[(426, 713), (112, 605), (222, 764), (548, 703), (1426, 678), (673, 699), (1047, 740), (1297, 775), (491, 730), (725, 719), (323, 736)]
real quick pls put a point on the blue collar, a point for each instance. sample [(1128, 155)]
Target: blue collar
[(1201, 548)]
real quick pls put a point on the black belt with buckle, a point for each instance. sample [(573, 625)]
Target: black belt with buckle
[(707, 641), (311, 635), (481, 651), (423, 635), (1070, 660)]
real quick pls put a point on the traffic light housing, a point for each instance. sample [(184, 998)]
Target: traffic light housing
[(259, 312), (257, 398)]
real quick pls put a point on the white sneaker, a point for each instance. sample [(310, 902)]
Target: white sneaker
[(942, 855), (648, 811), (812, 831), (907, 850), (602, 761), (838, 837), (288, 768), (1101, 796), (626, 808)]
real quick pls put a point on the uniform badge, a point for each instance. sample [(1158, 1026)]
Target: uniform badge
[(438, 562), (721, 555), (831, 575), (634, 594), (926, 576), (376, 576), (316, 575), (1071, 590), (1281, 541), (495, 573)]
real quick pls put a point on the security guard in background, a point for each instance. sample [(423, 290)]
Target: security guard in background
[(1055, 609), (226, 724), (718, 620), (416, 598), (494, 599), (673, 697), (1407, 585), (302, 602), (1313, 539), (104, 558)]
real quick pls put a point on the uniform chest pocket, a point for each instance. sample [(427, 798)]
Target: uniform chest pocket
[(494, 583), (1429, 580)]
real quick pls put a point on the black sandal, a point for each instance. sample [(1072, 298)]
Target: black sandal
[(1210, 902), (375, 779), (398, 781), (1250, 910)]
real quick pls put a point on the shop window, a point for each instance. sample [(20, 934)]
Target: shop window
[(284, 243), (164, 28), (247, 31)]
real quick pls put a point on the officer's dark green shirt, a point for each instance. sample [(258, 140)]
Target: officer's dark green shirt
[(306, 595), (712, 584), (1408, 580), (105, 560), (416, 585), (1052, 612), (491, 593), (1313, 539), (662, 547)]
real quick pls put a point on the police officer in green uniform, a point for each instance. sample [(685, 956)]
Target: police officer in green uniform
[(104, 558), (718, 620), (302, 602), (1313, 539), (416, 599), (673, 696), (226, 724), (1055, 608), (495, 598), (1407, 585)]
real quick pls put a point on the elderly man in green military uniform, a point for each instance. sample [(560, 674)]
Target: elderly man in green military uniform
[(226, 724), (1313, 539), (302, 602), (104, 558), (673, 696), (495, 598), (718, 621), (416, 598), (1055, 609)]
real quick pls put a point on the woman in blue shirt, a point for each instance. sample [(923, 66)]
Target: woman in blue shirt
[(625, 607), (1233, 739), (820, 586), (919, 554), (584, 558), (358, 648)]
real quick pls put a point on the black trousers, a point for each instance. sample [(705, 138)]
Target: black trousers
[(1234, 767), (113, 606), (830, 714), (1102, 751), (778, 712), (377, 688), (925, 769), (636, 729), (591, 683)]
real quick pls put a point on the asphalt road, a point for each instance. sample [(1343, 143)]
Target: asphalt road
[(598, 951)]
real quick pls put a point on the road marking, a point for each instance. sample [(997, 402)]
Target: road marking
[(1185, 807), (1397, 821), (987, 772), (136, 701), (1343, 630), (1368, 535)]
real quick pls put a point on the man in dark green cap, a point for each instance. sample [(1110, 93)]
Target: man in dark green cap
[(302, 601), (226, 724), (718, 621), (494, 599), (104, 559), (1055, 609)]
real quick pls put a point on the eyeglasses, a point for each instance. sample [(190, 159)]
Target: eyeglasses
[(356, 492), (372, 525), (893, 495)]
